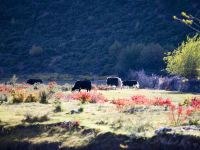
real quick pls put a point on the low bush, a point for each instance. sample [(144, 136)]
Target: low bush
[(91, 97), (144, 80), (97, 97), (120, 103), (81, 96), (43, 97), (31, 98), (57, 106), (193, 102), (174, 83), (18, 97), (5, 88), (3, 98), (142, 100), (60, 96), (24, 93), (31, 119), (185, 113), (178, 114)]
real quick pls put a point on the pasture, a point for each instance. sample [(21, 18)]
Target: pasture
[(87, 125)]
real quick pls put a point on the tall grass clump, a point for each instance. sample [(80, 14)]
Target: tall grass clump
[(57, 106), (43, 97), (3, 98)]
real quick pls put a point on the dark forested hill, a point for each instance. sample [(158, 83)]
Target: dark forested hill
[(89, 36)]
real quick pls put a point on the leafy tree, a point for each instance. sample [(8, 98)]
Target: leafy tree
[(151, 57), (140, 56), (129, 57), (185, 60)]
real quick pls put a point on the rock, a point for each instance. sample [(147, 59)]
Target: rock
[(163, 130)]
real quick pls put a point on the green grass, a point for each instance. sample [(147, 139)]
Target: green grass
[(103, 118), (127, 93)]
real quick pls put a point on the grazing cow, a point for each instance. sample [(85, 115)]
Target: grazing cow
[(131, 83), (114, 81), (33, 81), (84, 84)]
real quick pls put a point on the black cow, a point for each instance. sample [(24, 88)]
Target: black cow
[(33, 81), (114, 81), (131, 83), (84, 84)]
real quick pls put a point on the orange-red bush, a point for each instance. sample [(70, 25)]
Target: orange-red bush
[(92, 97), (142, 100), (5, 89)]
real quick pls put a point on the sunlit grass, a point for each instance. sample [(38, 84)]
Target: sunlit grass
[(101, 117), (127, 93)]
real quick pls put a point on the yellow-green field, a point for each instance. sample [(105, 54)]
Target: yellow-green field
[(127, 93), (95, 120)]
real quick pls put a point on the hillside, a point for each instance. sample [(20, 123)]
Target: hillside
[(89, 37)]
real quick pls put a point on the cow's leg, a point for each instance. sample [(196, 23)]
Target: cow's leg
[(79, 89)]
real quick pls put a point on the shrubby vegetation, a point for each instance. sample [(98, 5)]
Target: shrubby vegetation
[(190, 21), (115, 112), (29, 118), (185, 60), (57, 106), (24, 93), (137, 57), (3, 98), (81, 43)]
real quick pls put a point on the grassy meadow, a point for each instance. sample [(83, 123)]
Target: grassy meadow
[(36, 123)]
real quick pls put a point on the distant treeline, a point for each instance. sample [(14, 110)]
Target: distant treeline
[(89, 37)]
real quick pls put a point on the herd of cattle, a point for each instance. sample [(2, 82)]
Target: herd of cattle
[(87, 84)]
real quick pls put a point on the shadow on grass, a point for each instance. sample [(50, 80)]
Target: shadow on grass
[(13, 139)]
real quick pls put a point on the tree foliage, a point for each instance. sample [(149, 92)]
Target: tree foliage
[(141, 56), (185, 60), (190, 21)]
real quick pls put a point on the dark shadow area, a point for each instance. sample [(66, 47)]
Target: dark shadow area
[(103, 141)]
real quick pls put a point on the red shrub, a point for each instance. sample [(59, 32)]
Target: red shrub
[(159, 101), (97, 97), (5, 89), (120, 103), (60, 95), (189, 111), (92, 97), (179, 114), (195, 103), (23, 86), (141, 100)]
